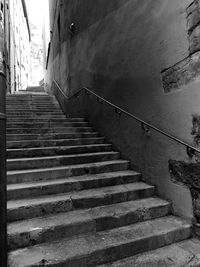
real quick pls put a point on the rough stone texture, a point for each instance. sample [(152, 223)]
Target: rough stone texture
[(182, 73), (193, 15), (196, 129), (186, 253), (103, 247), (186, 70), (194, 40), (188, 174)]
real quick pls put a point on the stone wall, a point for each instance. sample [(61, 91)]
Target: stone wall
[(143, 56)]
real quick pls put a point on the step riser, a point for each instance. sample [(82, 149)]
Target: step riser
[(24, 137), (70, 142), (70, 205), (46, 124), (57, 151), (64, 173), (62, 161), (26, 239), (48, 130), (69, 186)]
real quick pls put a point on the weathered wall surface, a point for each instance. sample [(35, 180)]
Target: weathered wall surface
[(138, 55)]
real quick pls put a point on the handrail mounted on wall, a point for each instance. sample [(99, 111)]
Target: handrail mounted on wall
[(145, 125)]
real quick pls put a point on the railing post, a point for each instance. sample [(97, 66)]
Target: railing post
[(3, 182)]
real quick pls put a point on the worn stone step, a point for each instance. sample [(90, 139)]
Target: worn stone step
[(33, 111), (25, 104), (44, 120), (185, 253), (53, 227), (33, 117), (48, 130), (64, 160), (103, 247), (32, 105), (50, 136), (57, 142), (43, 174), (53, 151), (45, 124), (35, 207), (33, 114), (29, 97), (75, 183)]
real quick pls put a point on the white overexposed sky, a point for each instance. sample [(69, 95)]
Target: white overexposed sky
[(37, 11)]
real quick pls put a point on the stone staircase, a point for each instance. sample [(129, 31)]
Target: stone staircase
[(73, 202)]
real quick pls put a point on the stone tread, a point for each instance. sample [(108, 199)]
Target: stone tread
[(60, 160), (63, 156), (32, 231), (94, 193), (55, 136), (56, 149), (86, 165), (48, 143), (105, 246), (70, 180), (181, 254)]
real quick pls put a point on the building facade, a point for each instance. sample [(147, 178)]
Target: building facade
[(19, 43)]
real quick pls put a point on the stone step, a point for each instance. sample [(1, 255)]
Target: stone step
[(32, 108), (185, 253), (62, 225), (54, 151), (33, 111), (35, 207), (55, 119), (104, 247), (49, 130), (31, 105), (29, 97), (50, 136), (48, 174), (45, 124), (75, 183), (52, 143), (34, 117), (63, 160), (31, 102)]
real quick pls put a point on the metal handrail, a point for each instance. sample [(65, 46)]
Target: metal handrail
[(190, 149)]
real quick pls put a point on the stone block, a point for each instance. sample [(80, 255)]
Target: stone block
[(194, 40), (193, 15), (181, 73)]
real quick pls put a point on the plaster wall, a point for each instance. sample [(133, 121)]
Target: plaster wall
[(119, 49)]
